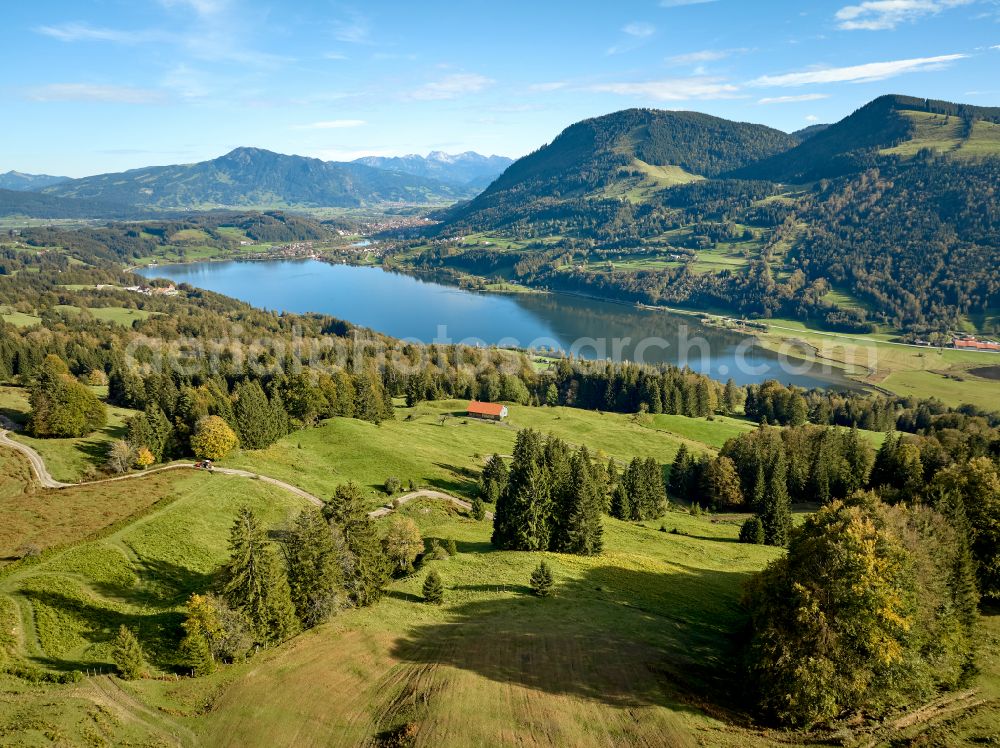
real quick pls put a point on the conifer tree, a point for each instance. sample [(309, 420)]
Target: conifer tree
[(541, 581), (433, 588), (478, 509), (583, 529), (255, 584), (523, 516), (776, 512), (259, 423), (680, 478), (201, 626), (635, 489), (128, 655), (315, 573), (611, 479), (494, 478), (621, 503), (654, 496), (752, 531), (370, 567)]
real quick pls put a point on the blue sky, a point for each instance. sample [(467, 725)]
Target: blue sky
[(93, 86)]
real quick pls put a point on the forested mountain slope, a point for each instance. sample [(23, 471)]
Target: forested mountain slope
[(895, 206), (255, 177)]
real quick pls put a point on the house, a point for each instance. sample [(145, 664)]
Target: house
[(971, 343), (489, 411)]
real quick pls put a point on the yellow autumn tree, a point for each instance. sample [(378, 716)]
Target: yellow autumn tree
[(144, 458), (839, 625), (212, 439)]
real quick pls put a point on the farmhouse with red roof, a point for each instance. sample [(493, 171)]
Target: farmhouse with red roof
[(489, 411)]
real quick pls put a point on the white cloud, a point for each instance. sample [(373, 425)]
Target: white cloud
[(995, 46), (187, 82), (672, 89), (82, 32), (355, 29), (333, 124), (679, 3), (546, 87), (636, 33), (704, 55), (793, 99), (880, 15), (334, 56), (812, 118), (201, 7), (639, 29), (452, 87), (872, 71), (95, 92)]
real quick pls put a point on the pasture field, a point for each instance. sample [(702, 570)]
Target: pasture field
[(437, 446), (637, 646), (946, 134), (902, 369), (118, 315), (73, 601), (69, 460)]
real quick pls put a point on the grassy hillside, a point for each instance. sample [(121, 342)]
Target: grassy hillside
[(68, 460), (636, 647), (74, 600), (895, 125), (435, 445)]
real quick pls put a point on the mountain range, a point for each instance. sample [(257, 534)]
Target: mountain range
[(256, 177), (894, 206), (467, 169), (16, 180)]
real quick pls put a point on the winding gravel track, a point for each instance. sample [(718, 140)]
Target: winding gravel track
[(47, 481)]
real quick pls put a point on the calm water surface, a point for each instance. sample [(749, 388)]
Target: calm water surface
[(408, 308)]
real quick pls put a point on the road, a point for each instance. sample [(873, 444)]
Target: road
[(47, 481)]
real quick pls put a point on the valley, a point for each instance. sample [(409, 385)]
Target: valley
[(678, 430)]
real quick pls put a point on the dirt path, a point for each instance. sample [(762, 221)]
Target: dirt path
[(424, 494), (37, 463), (47, 481)]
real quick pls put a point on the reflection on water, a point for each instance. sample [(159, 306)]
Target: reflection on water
[(408, 308)]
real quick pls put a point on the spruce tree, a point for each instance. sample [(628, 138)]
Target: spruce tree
[(776, 513), (621, 504), (493, 480), (523, 516), (128, 655), (478, 509), (679, 474), (634, 484), (541, 581), (752, 531), (655, 493), (371, 569), (583, 529), (254, 582), (315, 574), (433, 588), (258, 423)]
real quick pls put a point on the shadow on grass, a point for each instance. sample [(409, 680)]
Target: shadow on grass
[(159, 630), (622, 637), (161, 584), (521, 589)]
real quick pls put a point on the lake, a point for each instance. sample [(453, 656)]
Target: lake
[(412, 309)]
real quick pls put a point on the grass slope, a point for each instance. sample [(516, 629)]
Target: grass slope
[(74, 600), (443, 454), (68, 460)]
